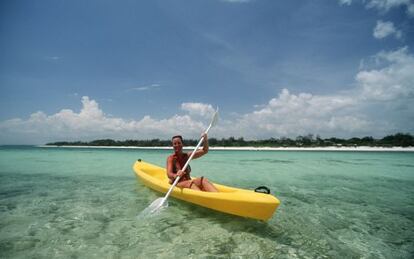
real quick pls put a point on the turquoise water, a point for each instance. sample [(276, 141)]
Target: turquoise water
[(84, 203)]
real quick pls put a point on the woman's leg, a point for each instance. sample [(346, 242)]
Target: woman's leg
[(204, 185), (188, 184), (209, 187)]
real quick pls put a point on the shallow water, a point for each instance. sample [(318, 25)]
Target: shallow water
[(87, 203)]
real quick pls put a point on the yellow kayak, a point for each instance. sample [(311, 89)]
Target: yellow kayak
[(240, 202)]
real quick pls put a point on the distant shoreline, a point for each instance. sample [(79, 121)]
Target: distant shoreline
[(330, 148)]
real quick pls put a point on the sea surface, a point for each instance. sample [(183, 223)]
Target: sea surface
[(86, 203)]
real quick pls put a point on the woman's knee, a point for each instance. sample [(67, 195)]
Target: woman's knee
[(193, 186), (204, 181), (199, 181)]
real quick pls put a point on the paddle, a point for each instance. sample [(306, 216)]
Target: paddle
[(162, 202)]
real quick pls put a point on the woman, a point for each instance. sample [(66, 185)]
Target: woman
[(176, 162)]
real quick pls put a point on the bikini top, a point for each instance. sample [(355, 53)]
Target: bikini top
[(178, 164)]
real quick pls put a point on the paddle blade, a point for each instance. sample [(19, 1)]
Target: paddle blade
[(215, 118), (157, 205), (154, 208)]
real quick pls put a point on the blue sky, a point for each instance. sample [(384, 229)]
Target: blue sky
[(82, 70)]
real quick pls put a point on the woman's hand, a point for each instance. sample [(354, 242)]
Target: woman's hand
[(205, 143), (180, 173)]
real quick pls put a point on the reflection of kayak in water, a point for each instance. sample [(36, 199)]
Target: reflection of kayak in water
[(230, 200)]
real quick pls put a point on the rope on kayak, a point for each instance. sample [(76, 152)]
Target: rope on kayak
[(262, 189)]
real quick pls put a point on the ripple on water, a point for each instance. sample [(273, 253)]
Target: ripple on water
[(343, 208)]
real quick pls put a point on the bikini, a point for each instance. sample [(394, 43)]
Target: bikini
[(178, 164)]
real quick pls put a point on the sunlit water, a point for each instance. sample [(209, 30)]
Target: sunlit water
[(87, 203)]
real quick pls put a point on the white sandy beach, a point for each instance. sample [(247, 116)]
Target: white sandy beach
[(331, 148)]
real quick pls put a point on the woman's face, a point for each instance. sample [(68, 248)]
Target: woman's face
[(177, 145)]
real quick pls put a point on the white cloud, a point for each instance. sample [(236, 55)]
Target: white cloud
[(394, 81), (384, 5), (345, 2), (380, 104), (92, 123), (410, 10), (292, 115), (384, 29), (198, 109), (145, 87)]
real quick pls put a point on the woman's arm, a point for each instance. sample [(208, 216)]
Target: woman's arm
[(204, 150), (170, 173)]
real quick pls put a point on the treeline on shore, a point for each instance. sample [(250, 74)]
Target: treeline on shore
[(396, 140)]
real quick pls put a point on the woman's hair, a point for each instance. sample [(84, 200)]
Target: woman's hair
[(177, 136)]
